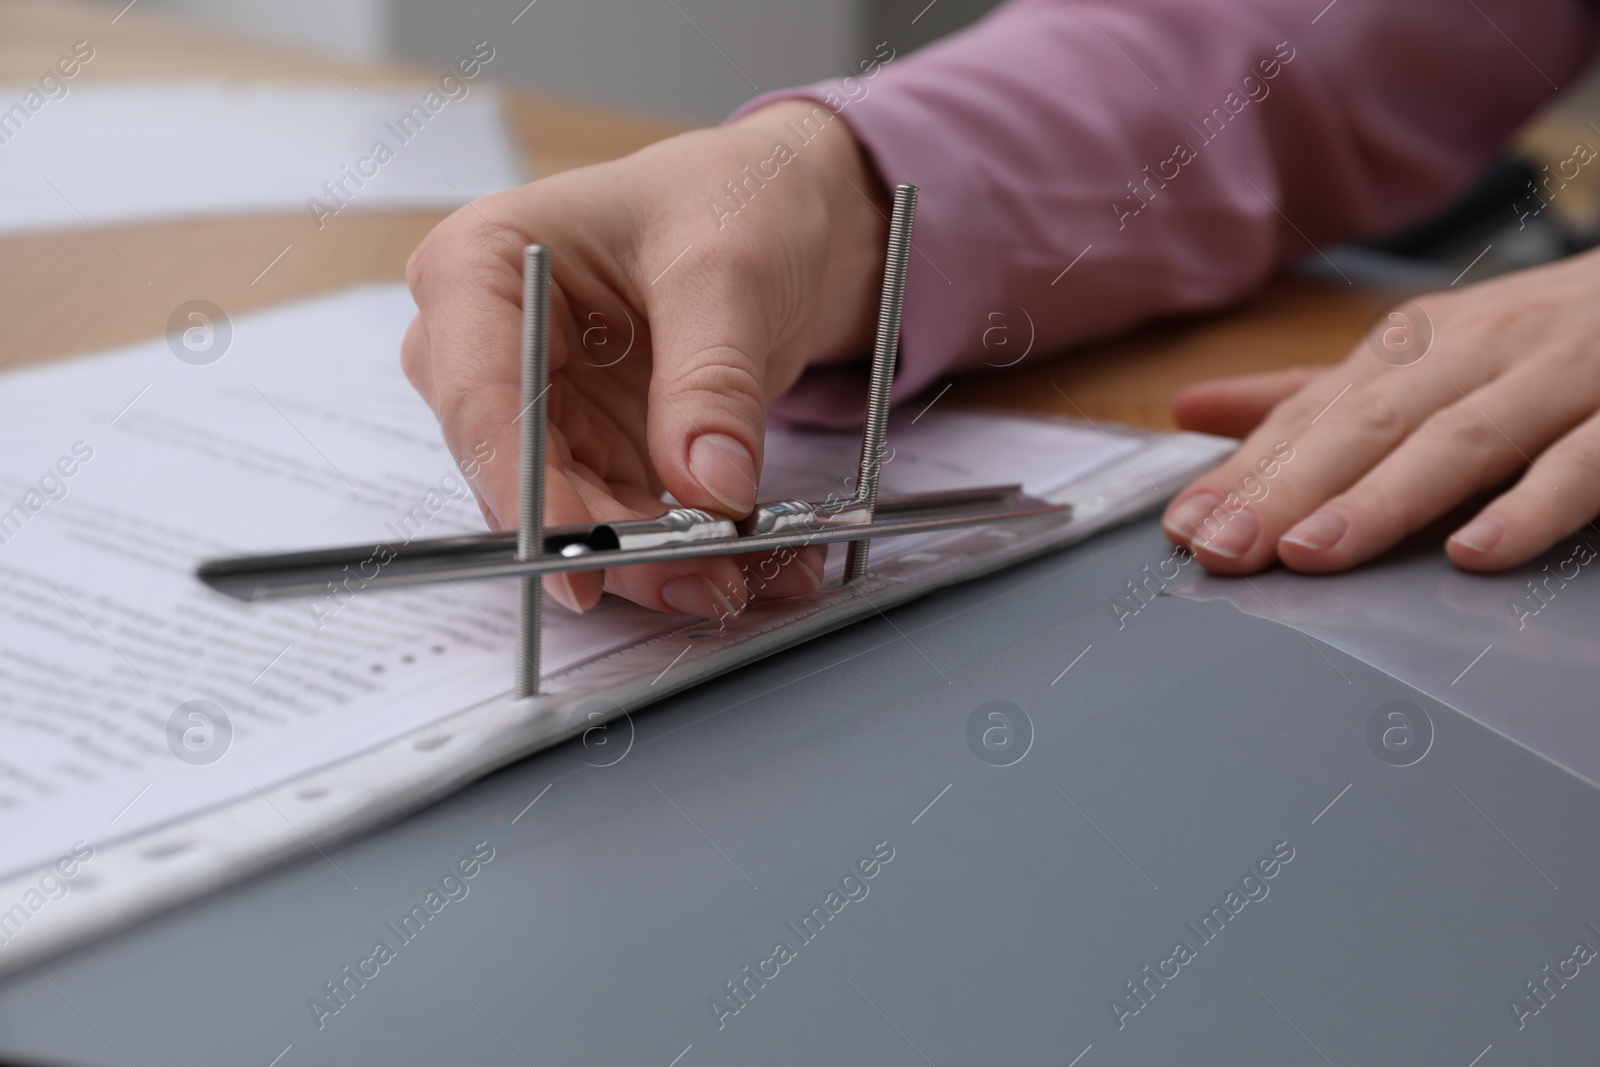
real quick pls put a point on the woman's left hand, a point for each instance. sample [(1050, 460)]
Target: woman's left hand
[(1450, 396)]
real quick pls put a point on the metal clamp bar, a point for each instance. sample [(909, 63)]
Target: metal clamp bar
[(615, 544)]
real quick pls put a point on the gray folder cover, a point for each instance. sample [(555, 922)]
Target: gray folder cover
[(1003, 824)]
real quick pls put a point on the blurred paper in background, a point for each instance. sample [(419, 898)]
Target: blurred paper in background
[(110, 154)]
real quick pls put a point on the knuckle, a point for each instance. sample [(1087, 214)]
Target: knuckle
[(720, 378), (455, 409), (1372, 413), (417, 263), (441, 245), (453, 253), (1464, 431), (1575, 366), (414, 353), (461, 410), (1297, 410), (1582, 458), (456, 413)]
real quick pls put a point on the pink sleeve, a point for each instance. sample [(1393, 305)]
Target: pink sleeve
[(1088, 164)]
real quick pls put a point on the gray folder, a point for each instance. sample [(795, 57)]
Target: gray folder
[(1005, 824)]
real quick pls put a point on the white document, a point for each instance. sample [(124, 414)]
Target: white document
[(112, 154), (120, 473)]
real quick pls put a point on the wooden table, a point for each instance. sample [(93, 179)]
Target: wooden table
[(70, 292)]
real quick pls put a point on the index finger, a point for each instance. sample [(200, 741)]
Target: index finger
[(466, 278)]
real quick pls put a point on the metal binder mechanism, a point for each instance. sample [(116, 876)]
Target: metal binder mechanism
[(535, 550)]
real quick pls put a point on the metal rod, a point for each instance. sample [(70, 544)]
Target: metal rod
[(530, 500), (883, 353), (494, 555)]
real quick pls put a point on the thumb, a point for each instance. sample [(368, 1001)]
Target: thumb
[(708, 408), (1234, 406)]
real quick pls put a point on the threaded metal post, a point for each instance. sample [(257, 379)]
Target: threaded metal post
[(883, 354), (530, 501)]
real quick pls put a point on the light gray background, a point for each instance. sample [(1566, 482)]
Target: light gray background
[(1189, 742)]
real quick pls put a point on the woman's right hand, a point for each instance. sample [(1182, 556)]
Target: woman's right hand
[(675, 323)]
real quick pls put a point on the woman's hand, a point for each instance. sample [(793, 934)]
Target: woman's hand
[(1449, 397), (674, 324)]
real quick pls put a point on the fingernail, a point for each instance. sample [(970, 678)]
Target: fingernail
[(1481, 534), (1232, 535), (1183, 516), (1320, 532), (693, 594), (726, 470), (560, 587)]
